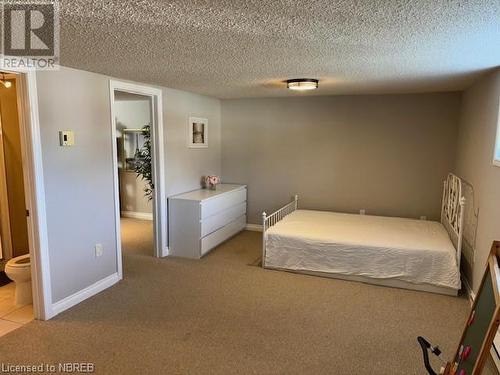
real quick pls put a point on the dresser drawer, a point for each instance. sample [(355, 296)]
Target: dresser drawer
[(223, 202), (214, 222), (219, 236)]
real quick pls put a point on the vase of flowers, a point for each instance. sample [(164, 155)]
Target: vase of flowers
[(210, 182)]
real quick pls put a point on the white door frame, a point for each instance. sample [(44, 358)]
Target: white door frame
[(31, 148), (159, 206)]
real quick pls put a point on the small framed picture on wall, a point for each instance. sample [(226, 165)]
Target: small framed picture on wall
[(198, 132)]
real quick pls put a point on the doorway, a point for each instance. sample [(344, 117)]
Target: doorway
[(23, 232), (138, 163), (16, 301)]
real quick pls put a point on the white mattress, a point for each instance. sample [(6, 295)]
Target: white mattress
[(414, 251)]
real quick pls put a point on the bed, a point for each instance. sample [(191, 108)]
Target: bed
[(396, 252)]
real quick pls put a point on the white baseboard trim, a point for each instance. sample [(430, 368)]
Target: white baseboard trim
[(84, 294), (254, 227), (137, 215), (469, 291)]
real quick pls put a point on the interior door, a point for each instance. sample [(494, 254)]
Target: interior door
[(5, 234)]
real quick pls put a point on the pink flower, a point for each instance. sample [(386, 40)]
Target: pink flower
[(211, 180)]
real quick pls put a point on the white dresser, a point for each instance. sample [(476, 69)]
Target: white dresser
[(200, 220)]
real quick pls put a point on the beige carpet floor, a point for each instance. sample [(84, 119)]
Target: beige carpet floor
[(221, 315)]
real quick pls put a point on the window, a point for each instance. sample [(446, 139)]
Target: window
[(496, 155)]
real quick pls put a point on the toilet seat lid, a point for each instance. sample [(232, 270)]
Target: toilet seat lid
[(19, 262)]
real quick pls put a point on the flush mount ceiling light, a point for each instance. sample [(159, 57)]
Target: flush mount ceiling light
[(302, 84)]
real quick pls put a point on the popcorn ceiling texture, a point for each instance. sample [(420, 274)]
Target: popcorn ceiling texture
[(236, 48)]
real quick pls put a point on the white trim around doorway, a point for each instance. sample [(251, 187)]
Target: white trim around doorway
[(160, 204), (31, 145)]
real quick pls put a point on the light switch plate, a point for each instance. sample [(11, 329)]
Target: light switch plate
[(98, 250), (66, 138)]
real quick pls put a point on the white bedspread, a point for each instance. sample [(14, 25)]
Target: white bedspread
[(414, 251)]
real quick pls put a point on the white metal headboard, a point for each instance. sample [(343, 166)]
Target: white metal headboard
[(452, 212), (471, 216)]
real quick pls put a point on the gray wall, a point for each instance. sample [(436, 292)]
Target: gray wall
[(185, 166), (79, 179), (387, 154), (478, 126)]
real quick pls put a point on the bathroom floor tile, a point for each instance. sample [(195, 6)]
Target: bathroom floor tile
[(22, 315), (7, 302), (7, 290), (7, 299), (7, 306), (7, 326)]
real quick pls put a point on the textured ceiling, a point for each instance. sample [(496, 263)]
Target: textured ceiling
[(236, 48)]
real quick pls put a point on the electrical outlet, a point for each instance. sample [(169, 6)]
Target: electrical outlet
[(362, 211), (423, 217), (99, 249)]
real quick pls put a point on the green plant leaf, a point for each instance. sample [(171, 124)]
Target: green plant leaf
[(142, 165)]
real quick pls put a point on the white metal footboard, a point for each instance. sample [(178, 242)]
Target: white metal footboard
[(269, 220)]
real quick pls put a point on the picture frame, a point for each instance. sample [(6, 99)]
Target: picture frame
[(197, 132)]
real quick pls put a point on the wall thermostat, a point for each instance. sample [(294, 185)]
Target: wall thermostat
[(66, 138)]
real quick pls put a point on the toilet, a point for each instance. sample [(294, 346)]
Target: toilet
[(19, 270)]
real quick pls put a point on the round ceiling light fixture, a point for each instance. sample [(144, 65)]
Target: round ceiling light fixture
[(7, 84), (302, 84)]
